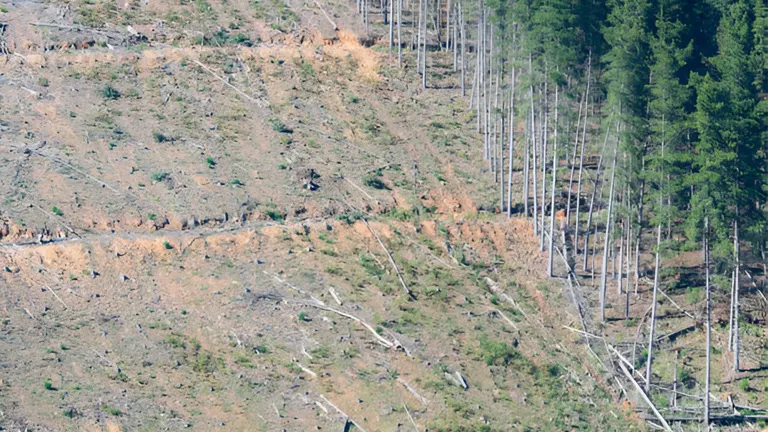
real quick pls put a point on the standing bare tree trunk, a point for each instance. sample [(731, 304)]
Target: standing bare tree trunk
[(591, 204), (424, 53), (552, 204), (526, 165), (638, 237), (418, 39), (581, 167), (736, 271), (463, 50), (607, 239), (399, 40), (573, 166), (532, 168), (709, 323), (626, 297), (391, 23), (455, 16), (621, 257), (653, 313), (730, 323), (544, 143), (511, 130), (478, 65)]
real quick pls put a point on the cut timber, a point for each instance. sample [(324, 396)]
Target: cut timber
[(509, 321), (342, 413), (309, 372), (462, 381), (360, 189), (645, 398), (499, 292), (299, 290), (335, 297), (391, 260), (378, 337), (411, 390), (55, 295), (335, 27), (240, 92), (409, 417)]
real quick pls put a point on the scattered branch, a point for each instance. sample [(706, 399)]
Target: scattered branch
[(391, 260)]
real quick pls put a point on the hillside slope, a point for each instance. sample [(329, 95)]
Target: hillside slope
[(178, 207)]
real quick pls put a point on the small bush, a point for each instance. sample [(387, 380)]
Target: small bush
[(57, 211), (282, 166), (279, 126), (111, 410), (211, 163), (302, 316), (42, 81), (110, 92), (161, 137), (151, 216), (494, 352), (274, 215), (175, 341), (375, 182), (167, 245), (744, 385), (49, 385), (159, 176), (236, 182)]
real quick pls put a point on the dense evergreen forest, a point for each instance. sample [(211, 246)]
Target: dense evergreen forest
[(621, 128)]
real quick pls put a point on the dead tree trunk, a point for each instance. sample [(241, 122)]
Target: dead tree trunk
[(544, 143), (709, 323), (653, 312), (581, 166), (391, 23), (463, 50), (607, 239), (591, 203), (424, 53), (737, 270), (533, 149), (526, 166), (573, 166), (399, 34), (552, 205), (511, 129)]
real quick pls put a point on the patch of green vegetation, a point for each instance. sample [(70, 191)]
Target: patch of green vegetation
[(279, 126), (495, 352), (351, 217), (334, 271), (151, 216), (49, 385), (211, 163), (161, 137), (57, 211), (274, 215), (244, 361), (302, 316), (236, 182), (371, 266), (375, 182), (42, 81), (167, 245), (329, 252), (110, 93), (159, 176), (111, 410), (175, 341)]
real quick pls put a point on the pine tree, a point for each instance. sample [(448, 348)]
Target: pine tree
[(729, 165)]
